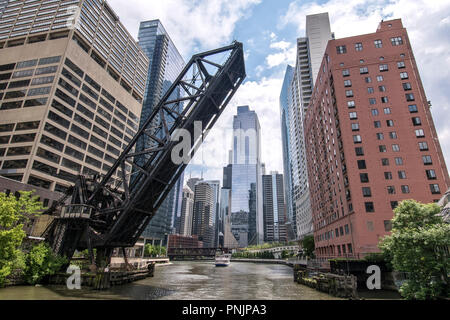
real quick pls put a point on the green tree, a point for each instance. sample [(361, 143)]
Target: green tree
[(416, 246), (41, 262), (308, 246), (14, 214)]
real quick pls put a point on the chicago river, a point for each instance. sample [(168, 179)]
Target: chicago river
[(190, 281)]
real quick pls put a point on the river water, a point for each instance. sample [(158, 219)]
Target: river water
[(191, 281)]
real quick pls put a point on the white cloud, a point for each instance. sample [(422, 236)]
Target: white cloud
[(285, 55), (428, 26), (282, 45), (192, 25)]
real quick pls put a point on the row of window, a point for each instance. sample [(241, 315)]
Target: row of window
[(395, 41), (94, 95), (338, 232), (30, 63)]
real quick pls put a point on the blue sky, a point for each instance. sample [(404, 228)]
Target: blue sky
[(269, 29)]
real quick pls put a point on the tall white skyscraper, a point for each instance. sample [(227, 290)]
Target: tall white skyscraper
[(318, 33), (294, 101)]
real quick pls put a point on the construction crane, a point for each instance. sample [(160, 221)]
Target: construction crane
[(111, 211)]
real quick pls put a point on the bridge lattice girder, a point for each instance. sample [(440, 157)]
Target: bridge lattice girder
[(113, 210)]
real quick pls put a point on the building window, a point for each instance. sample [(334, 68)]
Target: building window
[(396, 41), (359, 151), (382, 88), (384, 100), (390, 123), (27, 125), (427, 160), (357, 139), (362, 164), (401, 65), (351, 104), (399, 161), (377, 124), (369, 207), (23, 138), (341, 49), (384, 67), (394, 204), (423, 146), (388, 175), (349, 93), (380, 136), (347, 83), (369, 90), (353, 115), (412, 108), (409, 97), (74, 153), (405, 189), (401, 174), (385, 162), (387, 110), (372, 101), (416, 121), (407, 86), (391, 190), (404, 75), (358, 46), (363, 70), (395, 148), (345, 73), (39, 182), (382, 148), (364, 177), (368, 79), (393, 135), (355, 126), (435, 189), (378, 44), (431, 174), (419, 133)]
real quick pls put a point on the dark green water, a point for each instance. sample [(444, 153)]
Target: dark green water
[(192, 281)]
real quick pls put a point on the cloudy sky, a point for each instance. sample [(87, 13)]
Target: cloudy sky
[(269, 29)]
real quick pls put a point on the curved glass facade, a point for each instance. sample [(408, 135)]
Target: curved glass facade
[(165, 64)]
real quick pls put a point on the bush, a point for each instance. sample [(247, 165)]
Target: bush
[(417, 246), (41, 262), (14, 214)]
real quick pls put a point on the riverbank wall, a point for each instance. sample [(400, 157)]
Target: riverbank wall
[(342, 286), (104, 280), (266, 261)]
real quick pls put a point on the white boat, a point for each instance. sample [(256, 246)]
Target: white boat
[(223, 260)]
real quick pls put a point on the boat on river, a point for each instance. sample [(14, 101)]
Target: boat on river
[(223, 260)]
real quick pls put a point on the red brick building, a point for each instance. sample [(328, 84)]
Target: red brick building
[(370, 141), (180, 241)]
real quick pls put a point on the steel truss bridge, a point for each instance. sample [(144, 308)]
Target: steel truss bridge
[(106, 212)]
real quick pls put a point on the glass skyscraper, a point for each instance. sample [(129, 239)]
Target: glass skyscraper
[(246, 181), (286, 114), (165, 64)]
